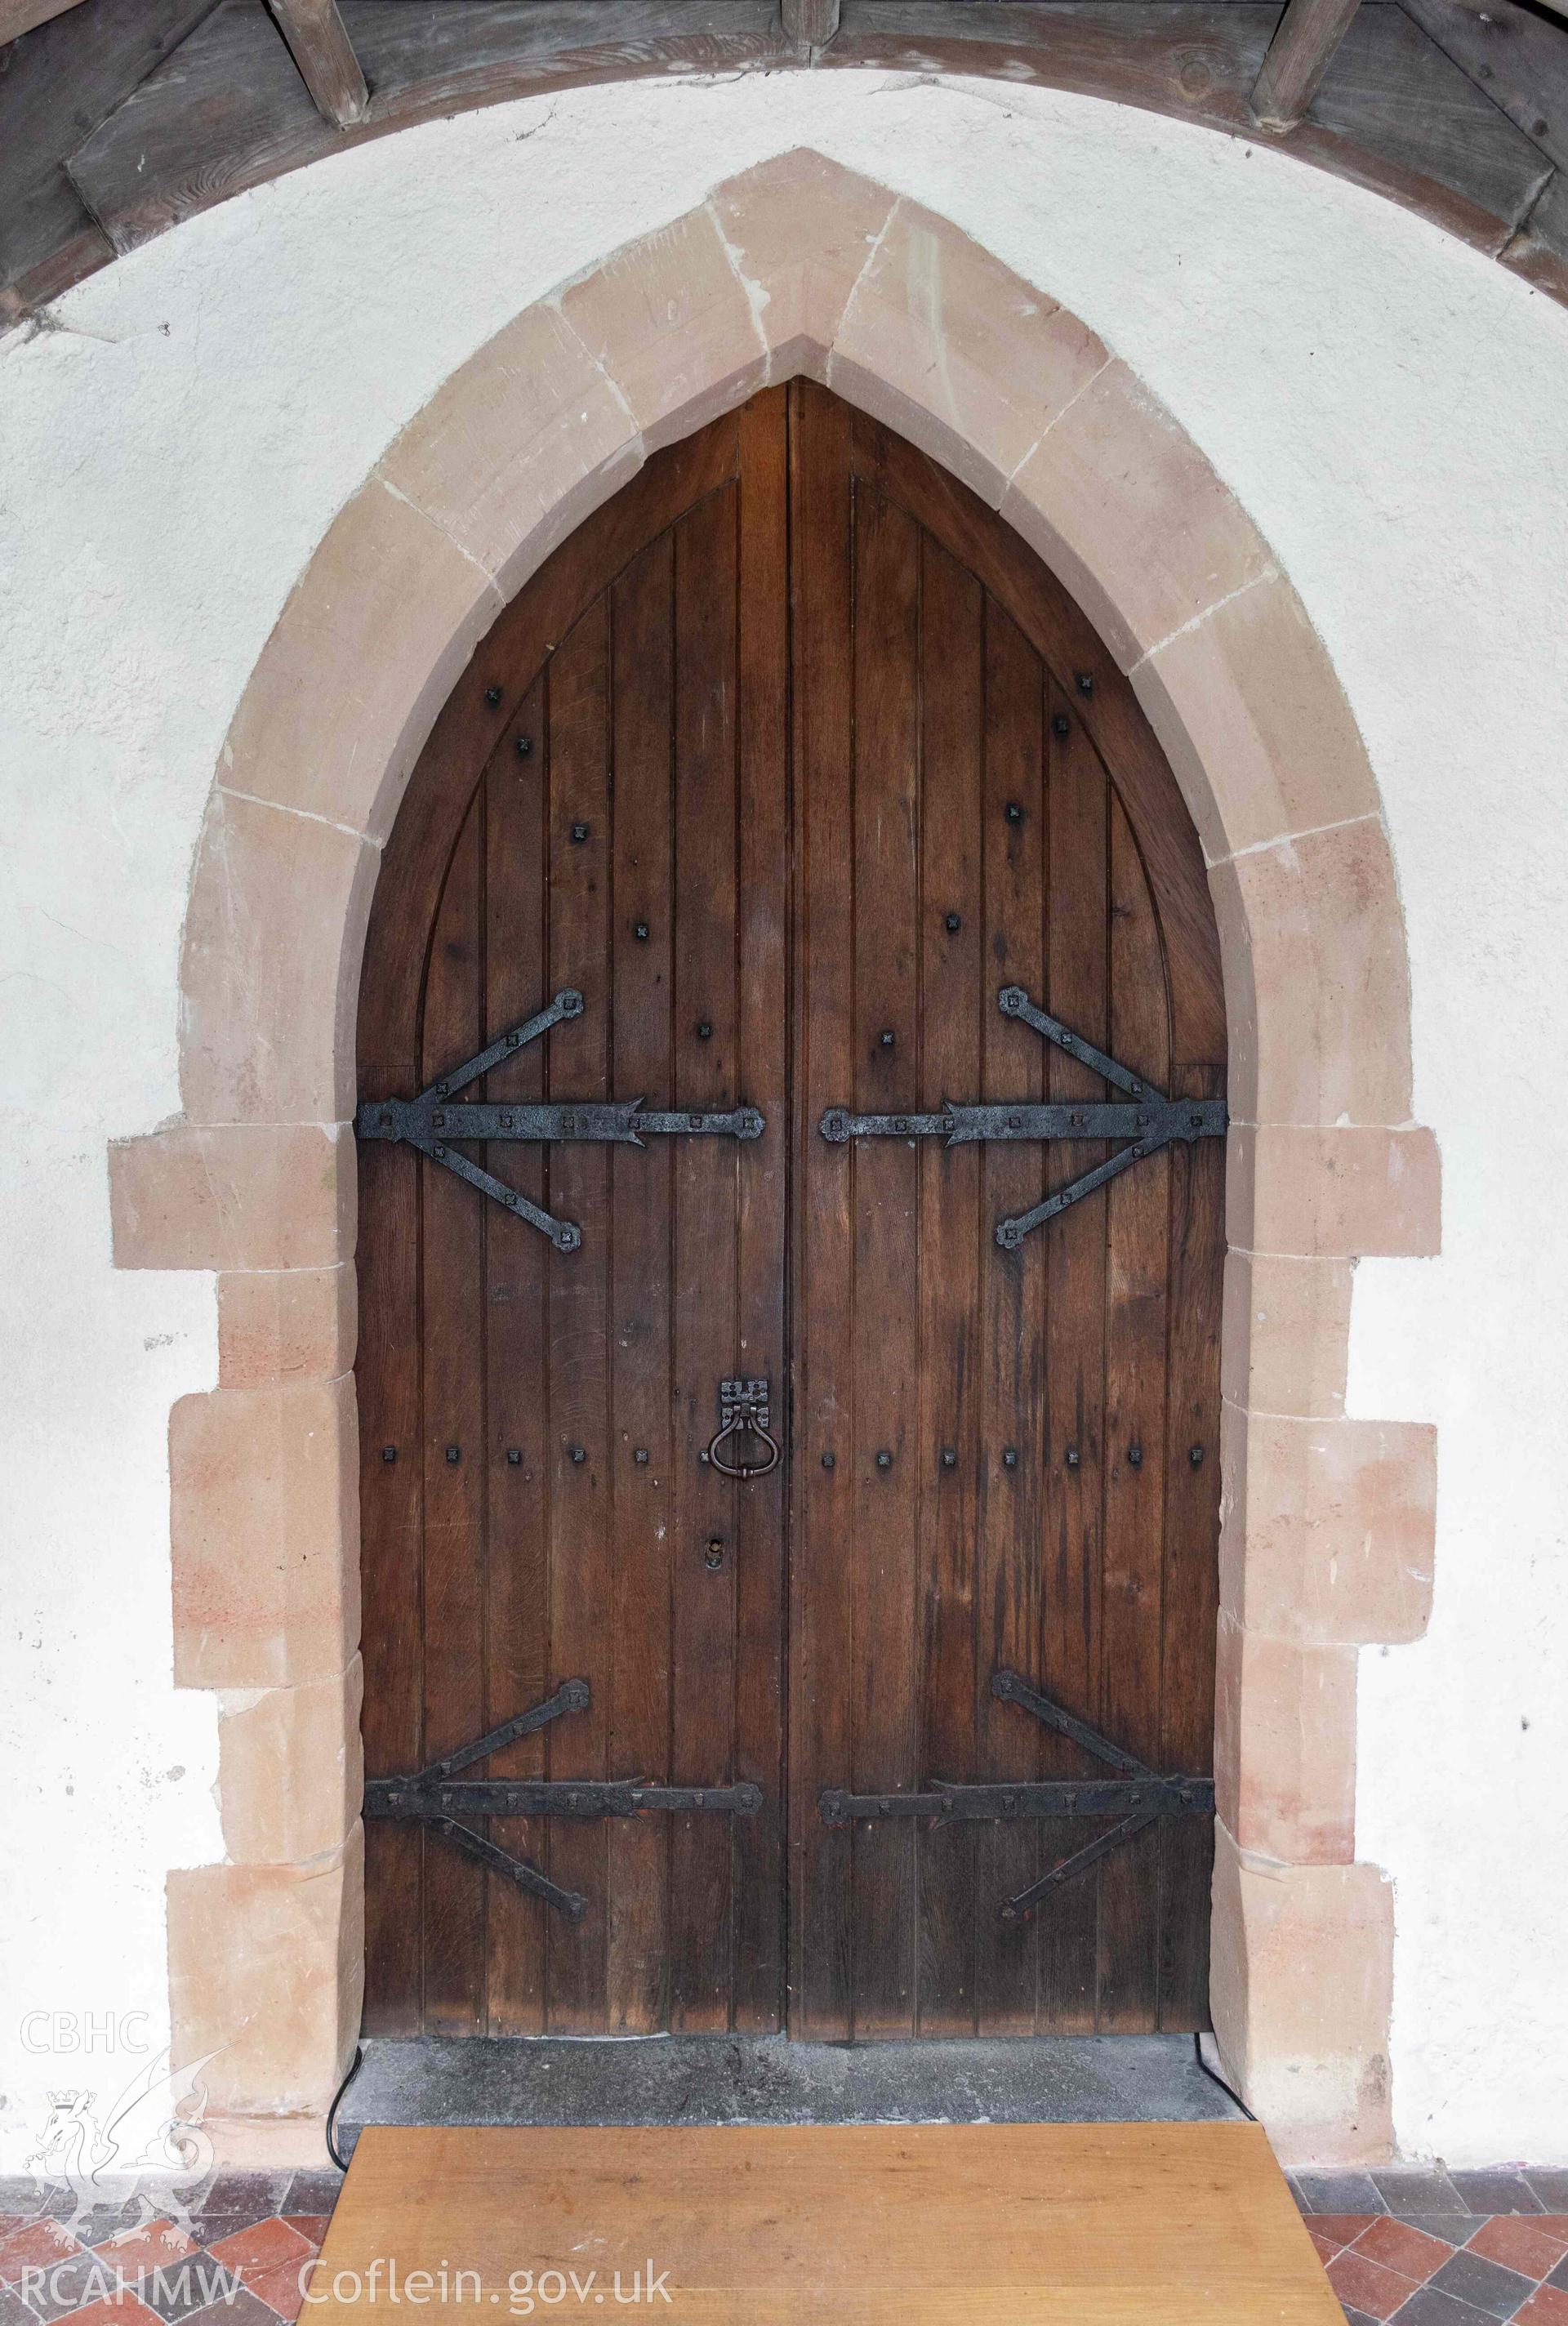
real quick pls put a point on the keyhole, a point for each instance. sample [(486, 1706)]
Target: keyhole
[(715, 1555)]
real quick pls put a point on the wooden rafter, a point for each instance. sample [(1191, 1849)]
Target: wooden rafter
[(19, 16), (1299, 55), (325, 55), (813, 23)]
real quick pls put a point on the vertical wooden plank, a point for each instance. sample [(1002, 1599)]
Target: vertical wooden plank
[(1074, 1264), (704, 1248), (822, 1637), (391, 1504), (1192, 1588), (517, 1265), (453, 1249), (887, 1258), (1016, 828), (582, 1571), (952, 717), (641, 1454), (762, 1069), (1138, 1207)]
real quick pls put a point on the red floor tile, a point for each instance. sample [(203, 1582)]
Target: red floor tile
[(1398, 2245), (1364, 2285), (1341, 2229), (283, 2289), (268, 2246), (155, 2245), (1547, 2306), (1325, 2248), (1519, 2242), (117, 2310), (309, 2225), (39, 2246)]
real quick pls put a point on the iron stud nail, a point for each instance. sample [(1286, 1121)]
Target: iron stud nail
[(954, 923), (1195, 1456), (438, 1151), (492, 696), (1134, 1456), (506, 1123), (641, 1456), (515, 1456), (828, 1461), (525, 745), (1073, 1458), (900, 1123), (1009, 1457), (1061, 724), (1015, 1122), (886, 1037), (949, 1458), (577, 1453), (389, 1452), (1083, 680), (715, 1555), (640, 931), (1015, 811), (704, 1030), (578, 835), (885, 1460), (454, 1455), (440, 1121)]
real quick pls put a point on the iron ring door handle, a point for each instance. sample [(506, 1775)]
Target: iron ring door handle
[(743, 1405), (743, 1469)]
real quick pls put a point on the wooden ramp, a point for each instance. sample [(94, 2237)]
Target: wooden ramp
[(892, 2225)]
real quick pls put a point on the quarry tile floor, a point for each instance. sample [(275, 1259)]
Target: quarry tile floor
[(1413, 2243)]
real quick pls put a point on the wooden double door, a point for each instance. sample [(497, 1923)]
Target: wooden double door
[(785, 768)]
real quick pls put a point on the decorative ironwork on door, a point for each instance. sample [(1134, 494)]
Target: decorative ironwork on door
[(431, 1122), (1146, 1117), (433, 1798), (1136, 1797)]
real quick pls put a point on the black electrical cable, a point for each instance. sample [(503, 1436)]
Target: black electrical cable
[(1214, 2078), (339, 2161)]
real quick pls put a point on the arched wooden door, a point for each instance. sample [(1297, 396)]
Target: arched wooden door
[(795, 799)]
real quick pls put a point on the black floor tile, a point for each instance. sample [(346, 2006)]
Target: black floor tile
[(1559, 2276), (1339, 2192), (1356, 2317), (1485, 2284), (63, 2286), (1410, 2189), (21, 2195), (313, 2193), (1502, 2192), (258, 2195), (1549, 2183), (211, 2229), (247, 2308), (1431, 2308), (1454, 2228), (185, 2288)]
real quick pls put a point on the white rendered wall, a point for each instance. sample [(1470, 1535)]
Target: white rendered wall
[(1392, 410)]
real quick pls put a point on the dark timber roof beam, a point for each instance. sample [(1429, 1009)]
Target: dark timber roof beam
[(1299, 55), (325, 55)]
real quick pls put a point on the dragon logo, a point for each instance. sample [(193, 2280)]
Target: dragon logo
[(154, 2131)]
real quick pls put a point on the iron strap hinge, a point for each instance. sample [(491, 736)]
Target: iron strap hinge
[(432, 1120), (1144, 1116), (1108, 1797), (1136, 1796), (569, 1797), (432, 1799)]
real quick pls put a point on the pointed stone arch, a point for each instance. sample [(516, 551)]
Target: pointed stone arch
[(797, 265)]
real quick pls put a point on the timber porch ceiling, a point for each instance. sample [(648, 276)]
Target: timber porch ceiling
[(120, 117)]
